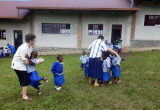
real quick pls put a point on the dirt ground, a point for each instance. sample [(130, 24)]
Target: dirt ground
[(126, 55)]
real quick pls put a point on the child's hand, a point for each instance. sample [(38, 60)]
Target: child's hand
[(98, 59), (107, 71), (123, 59), (117, 68), (26, 56)]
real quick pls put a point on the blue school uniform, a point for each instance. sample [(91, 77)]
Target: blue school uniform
[(83, 60), (86, 66), (115, 62), (106, 75), (57, 70), (33, 74), (12, 49), (6, 52)]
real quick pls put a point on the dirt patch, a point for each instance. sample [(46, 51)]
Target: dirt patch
[(126, 55)]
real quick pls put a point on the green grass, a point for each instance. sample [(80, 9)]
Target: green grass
[(140, 88)]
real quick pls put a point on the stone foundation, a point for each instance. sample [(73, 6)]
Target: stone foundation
[(144, 43), (55, 50)]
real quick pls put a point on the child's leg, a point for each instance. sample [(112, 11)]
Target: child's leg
[(90, 80), (84, 76), (119, 81)]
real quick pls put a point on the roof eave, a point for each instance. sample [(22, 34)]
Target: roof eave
[(82, 8)]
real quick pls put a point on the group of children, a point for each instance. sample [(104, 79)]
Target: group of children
[(110, 63), (5, 51), (57, 70)]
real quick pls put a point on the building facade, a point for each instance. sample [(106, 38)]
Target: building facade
[(137, 26)]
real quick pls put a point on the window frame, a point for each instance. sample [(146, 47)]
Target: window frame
[(2, 34), (146, 21), (57, 29), (97, 29)]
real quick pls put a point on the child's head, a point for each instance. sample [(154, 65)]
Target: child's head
[(6, 48), (116, 50), (105, 55), (2, 47), (106, 40), (83, 52), (34, 54), (60, 58)]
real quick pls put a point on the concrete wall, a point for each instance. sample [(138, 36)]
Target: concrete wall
[(10, 26), (56, 40), (105, 18), (147, 32)]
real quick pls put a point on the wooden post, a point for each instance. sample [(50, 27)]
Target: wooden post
[(32, 23), (133, 26), (79, 29)]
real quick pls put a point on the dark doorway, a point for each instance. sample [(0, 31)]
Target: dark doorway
[(18, 40), (116, 32)]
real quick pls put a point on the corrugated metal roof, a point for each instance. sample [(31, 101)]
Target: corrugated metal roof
[(9, 8)]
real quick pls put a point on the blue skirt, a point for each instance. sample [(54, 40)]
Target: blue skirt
[(116, 73), (106, 76), (86, 70), (35, 79), (59, 80), (0, 56), (82, 65), (95, 69)]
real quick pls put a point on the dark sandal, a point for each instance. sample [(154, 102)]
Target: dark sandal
[(28, 99)]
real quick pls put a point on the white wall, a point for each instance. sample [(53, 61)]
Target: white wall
[(118, 18), (56, 40), (147, 32), (10, 26)]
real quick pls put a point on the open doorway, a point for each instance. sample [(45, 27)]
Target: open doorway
[(116, 32), (18, 40)]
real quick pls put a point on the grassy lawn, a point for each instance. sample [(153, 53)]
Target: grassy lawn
[(140, 88)]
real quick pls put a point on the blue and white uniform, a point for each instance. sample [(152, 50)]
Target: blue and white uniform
[(12, 49), (95, 67), (83, 60), (115, 62), (86, 66), (33, 74), (111, 46), (6, 52), (57, 70), (106, 75), (1, 54)]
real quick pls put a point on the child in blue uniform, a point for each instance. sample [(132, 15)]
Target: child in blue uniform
[(57, 70), (83, 59), (106, 68), (1, 53), (116, 67), (6, 52), (33, 73), (86, 66)]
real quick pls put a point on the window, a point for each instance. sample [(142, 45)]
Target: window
[(95, 29), (53, 28), (152, 20), (3, 34)]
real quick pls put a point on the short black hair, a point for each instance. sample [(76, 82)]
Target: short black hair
[(29, 37), (117, 50), (106, 53), (7, 44), (84, 51), (35, 52), (59, 56), (100, 37), (6, 48)]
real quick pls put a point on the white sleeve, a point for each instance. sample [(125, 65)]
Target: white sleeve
[(104, 46), (80, 58), (90, 47)]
